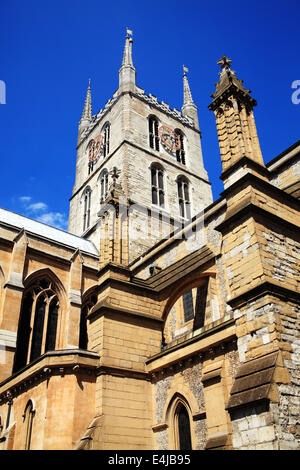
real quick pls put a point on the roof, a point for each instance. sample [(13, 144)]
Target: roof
[(46, 231)]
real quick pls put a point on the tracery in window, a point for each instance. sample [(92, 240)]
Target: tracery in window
[(183, 197), (180, 152), (86, 207), (103, 181), (38, 322), (153, 133), (157, 185), (83, 331)]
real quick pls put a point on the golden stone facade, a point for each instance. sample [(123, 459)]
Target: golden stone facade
[(189, 341)]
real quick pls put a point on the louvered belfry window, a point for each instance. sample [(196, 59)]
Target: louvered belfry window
[(157, 186), (153, 133), (183, 198), (106, 139), (87, 208)]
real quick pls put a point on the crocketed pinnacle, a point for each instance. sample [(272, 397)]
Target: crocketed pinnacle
[(187, 95), (127, 56), (87, 110)]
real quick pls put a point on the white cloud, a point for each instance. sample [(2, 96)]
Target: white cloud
[(55, 219), (37, 206), (25, 198), (40, 212)]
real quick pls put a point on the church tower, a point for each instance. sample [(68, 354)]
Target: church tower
[(157, 153)]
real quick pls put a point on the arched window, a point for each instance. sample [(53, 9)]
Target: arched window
[(183, 197), (90, 149), (153, 133), (106, 139), (180, 152), (28, 421), (103, 180), (182, 420), (83, 334), (38, 323), (86, 207), (157, 185)]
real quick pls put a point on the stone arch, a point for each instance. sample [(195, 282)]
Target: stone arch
[(49, 274), (174, 402), (41, 323)]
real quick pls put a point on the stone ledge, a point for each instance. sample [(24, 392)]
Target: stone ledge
[(256, 380), (60, 361)]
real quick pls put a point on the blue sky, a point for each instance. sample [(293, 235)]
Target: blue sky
[(50, 49)]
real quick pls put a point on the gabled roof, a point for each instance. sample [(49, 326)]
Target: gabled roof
[(46, 231)]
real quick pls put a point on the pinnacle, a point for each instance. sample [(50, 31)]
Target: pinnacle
[(87, 110)]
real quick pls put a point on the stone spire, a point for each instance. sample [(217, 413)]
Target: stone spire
[(127, 71), (189, 109), (86, 117), (233, 109)]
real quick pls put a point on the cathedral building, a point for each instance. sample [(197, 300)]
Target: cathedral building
[(162, 319)]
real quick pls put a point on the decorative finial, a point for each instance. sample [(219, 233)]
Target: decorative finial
[(115, 173), (185, 69), (224, 62)]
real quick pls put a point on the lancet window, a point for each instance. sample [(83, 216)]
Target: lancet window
[(103, 180), (153, 133), (157, 185), (180, 152), (106, 139), (183, 197), (86, 208)]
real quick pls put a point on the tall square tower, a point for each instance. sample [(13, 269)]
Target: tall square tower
[(152, 151)]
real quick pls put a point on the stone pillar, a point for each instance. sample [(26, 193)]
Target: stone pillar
[(11, 303)]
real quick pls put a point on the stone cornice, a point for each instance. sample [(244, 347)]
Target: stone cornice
[(62, 362), (268, 287)]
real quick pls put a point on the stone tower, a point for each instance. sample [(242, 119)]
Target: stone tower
[(157, 153)]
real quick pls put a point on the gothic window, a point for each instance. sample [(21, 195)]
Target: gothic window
[(83, 334), (106, 139), (180, 152), (90, 148), (183, 197), (38, 323), (157, 185), (86, 208), (153, 133), (183, 428), (28, 421), (103, 179)]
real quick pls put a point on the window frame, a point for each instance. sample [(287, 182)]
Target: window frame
[(87, 195), (180, 153), (157, 185), (183, 194), (103, 184), (37, 326), (153, 125)]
